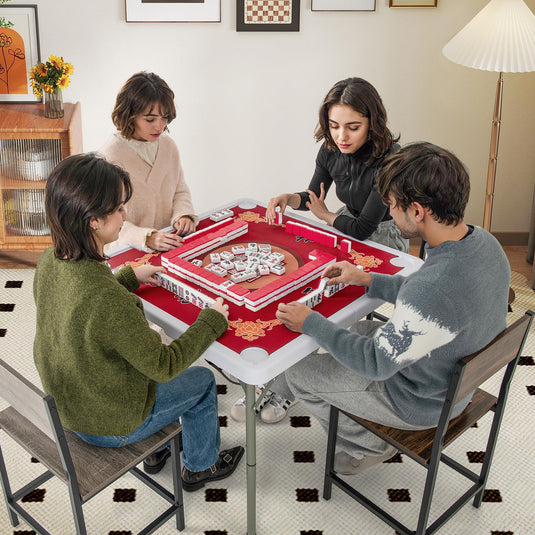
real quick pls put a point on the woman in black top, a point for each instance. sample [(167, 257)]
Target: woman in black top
[(352, 125)]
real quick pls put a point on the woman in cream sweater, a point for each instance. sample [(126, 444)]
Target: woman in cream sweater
[(161, 198)]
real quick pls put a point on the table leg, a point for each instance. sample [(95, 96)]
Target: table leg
[(250, 443)]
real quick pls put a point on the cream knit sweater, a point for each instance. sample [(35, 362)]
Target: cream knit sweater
[(160, 193)]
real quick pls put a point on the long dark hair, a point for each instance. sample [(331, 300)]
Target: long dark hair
[(82, 187), (364, 99)]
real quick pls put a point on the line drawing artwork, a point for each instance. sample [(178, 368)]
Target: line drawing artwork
[(11, 50)]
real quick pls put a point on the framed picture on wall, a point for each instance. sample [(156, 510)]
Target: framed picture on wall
[(19, 45), (267, 15), (343, 5), (173, 10), (413, 3)]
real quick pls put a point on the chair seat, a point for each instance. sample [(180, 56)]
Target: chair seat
[(418, 444), (95, 467)]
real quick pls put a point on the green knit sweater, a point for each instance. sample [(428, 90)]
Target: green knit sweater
[(94, 350)]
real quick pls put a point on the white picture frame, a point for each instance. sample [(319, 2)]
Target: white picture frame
[(173, 10), (343, 5), (25, 27)]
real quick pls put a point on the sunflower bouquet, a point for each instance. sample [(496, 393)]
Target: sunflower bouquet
[(49, 76)]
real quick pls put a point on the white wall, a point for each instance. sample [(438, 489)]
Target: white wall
[(247, 102)]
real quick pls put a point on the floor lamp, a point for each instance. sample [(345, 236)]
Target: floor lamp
[(500, 38)]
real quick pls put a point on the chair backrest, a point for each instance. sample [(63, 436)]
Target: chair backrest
[(25, 398), (504, 349)]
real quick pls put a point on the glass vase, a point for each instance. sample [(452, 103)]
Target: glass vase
[(53, 104)]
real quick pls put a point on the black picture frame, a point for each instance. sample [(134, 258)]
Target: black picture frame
[(242, 25)]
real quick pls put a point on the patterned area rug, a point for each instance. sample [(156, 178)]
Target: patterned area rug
[(290, 463)]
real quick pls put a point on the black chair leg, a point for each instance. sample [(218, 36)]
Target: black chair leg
[(176, 446), (8, 495), (331, 447)]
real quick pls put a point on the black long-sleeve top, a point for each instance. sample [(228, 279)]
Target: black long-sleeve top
[(356, 187)]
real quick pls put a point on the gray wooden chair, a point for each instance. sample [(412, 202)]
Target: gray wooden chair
[(32, 421), (426, 447)]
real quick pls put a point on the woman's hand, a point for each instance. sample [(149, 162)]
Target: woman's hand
[(318, 207), (163, 241), (184, 225), (220, 307), (282, 201), (145, 273), (293, 315)]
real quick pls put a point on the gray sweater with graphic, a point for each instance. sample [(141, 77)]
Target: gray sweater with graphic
[(454, 305)]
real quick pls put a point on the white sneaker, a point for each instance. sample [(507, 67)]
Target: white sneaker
[(344, 464), (237, 412), (276, 409)]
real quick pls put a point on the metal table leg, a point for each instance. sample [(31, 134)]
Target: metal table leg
[(250, 444)]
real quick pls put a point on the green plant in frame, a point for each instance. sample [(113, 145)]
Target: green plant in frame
[(3, 22)]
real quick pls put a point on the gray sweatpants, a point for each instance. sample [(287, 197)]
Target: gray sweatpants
[(319, 381), (386, 233)]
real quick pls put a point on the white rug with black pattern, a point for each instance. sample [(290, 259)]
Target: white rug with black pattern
[(290, 463)]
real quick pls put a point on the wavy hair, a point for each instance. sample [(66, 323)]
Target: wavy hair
[(361, 96), (141, 91)]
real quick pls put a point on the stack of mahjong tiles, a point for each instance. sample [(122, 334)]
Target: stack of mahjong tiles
[(247, 263)]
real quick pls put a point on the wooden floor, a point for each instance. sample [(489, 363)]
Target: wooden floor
[(24, 259)]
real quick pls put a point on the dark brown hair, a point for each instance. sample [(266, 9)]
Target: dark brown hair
[(364, 99), (428, 175), (140, 91), (82, 187)]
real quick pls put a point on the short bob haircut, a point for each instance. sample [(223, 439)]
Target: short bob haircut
[(79, 188), (142, 92), (428, 175), (364, 99)]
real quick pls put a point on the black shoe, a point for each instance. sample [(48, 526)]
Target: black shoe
[(224, 466), (155, 462)]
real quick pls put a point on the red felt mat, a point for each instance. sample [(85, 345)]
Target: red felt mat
[(262, 328)]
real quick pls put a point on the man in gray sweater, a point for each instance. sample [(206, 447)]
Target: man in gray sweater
[(396, 373)]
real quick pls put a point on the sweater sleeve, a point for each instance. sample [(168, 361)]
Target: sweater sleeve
[(133, 236), (321, 175), (385, 287), (411, 334), (127, 278), (128, 334)]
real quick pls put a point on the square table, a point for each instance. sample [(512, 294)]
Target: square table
[(257, 347)]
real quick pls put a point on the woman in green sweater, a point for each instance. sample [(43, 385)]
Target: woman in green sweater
[(113, 379)]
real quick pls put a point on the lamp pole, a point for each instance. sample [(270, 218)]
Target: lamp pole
[(493, 155)]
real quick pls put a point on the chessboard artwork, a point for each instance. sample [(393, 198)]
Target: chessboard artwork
[(267, 15), (268, 11)]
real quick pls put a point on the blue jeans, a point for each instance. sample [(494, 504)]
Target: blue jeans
[(191, 396)]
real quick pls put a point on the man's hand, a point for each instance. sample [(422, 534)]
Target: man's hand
[(184, 226), (145, 273), (347, 273), (293, 315), (163, 241), (220, 307)]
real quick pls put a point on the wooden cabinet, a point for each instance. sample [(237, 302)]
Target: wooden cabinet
[(30, 147)]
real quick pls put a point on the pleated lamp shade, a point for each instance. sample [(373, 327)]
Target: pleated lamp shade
[(501, 38)]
